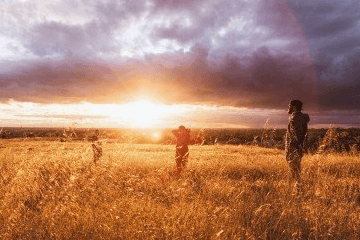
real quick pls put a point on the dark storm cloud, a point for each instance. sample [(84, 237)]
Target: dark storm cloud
[(260, 77), (264, 80), (68, 81), (329, 24), (339, 84), (332, 31), (333, 27), (337, 118)]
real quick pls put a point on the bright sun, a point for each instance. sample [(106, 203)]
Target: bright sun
[(142, 113)]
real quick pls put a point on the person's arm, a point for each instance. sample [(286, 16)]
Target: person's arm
[(187, 138), (300, 127), (307, 118), (292, 130)]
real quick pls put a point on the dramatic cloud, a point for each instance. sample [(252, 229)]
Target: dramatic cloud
[(255, 54), (262, 80)]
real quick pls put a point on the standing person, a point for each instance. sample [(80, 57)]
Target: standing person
[(295, 138), (96, 146), (182, 151), (200, 138)]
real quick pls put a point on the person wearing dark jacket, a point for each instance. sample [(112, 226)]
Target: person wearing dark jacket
[(295, 138), (182, 151)]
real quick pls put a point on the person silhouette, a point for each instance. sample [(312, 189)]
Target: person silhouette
[(182, 150), (294, 140), (96, 146)]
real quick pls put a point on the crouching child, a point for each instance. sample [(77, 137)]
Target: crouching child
[(96, 146)]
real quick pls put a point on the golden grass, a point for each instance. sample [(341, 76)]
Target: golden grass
[(51, 190)]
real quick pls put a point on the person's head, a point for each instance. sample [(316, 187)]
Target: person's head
[(182, 128), (295, 106), (97, 132)]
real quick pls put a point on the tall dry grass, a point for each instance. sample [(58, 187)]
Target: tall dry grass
[(51, 190)]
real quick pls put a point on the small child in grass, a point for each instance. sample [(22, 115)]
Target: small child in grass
[(96, 146)]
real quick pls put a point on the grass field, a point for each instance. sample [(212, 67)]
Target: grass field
[(51, 190)]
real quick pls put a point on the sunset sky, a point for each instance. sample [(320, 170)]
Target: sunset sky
[(162, 63)]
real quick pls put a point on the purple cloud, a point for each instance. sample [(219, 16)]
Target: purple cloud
[(237, 54)]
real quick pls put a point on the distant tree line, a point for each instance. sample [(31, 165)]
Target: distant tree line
[(318, 140)]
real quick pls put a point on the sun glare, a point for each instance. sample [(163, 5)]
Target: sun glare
[(156, 135), (142, 113)]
